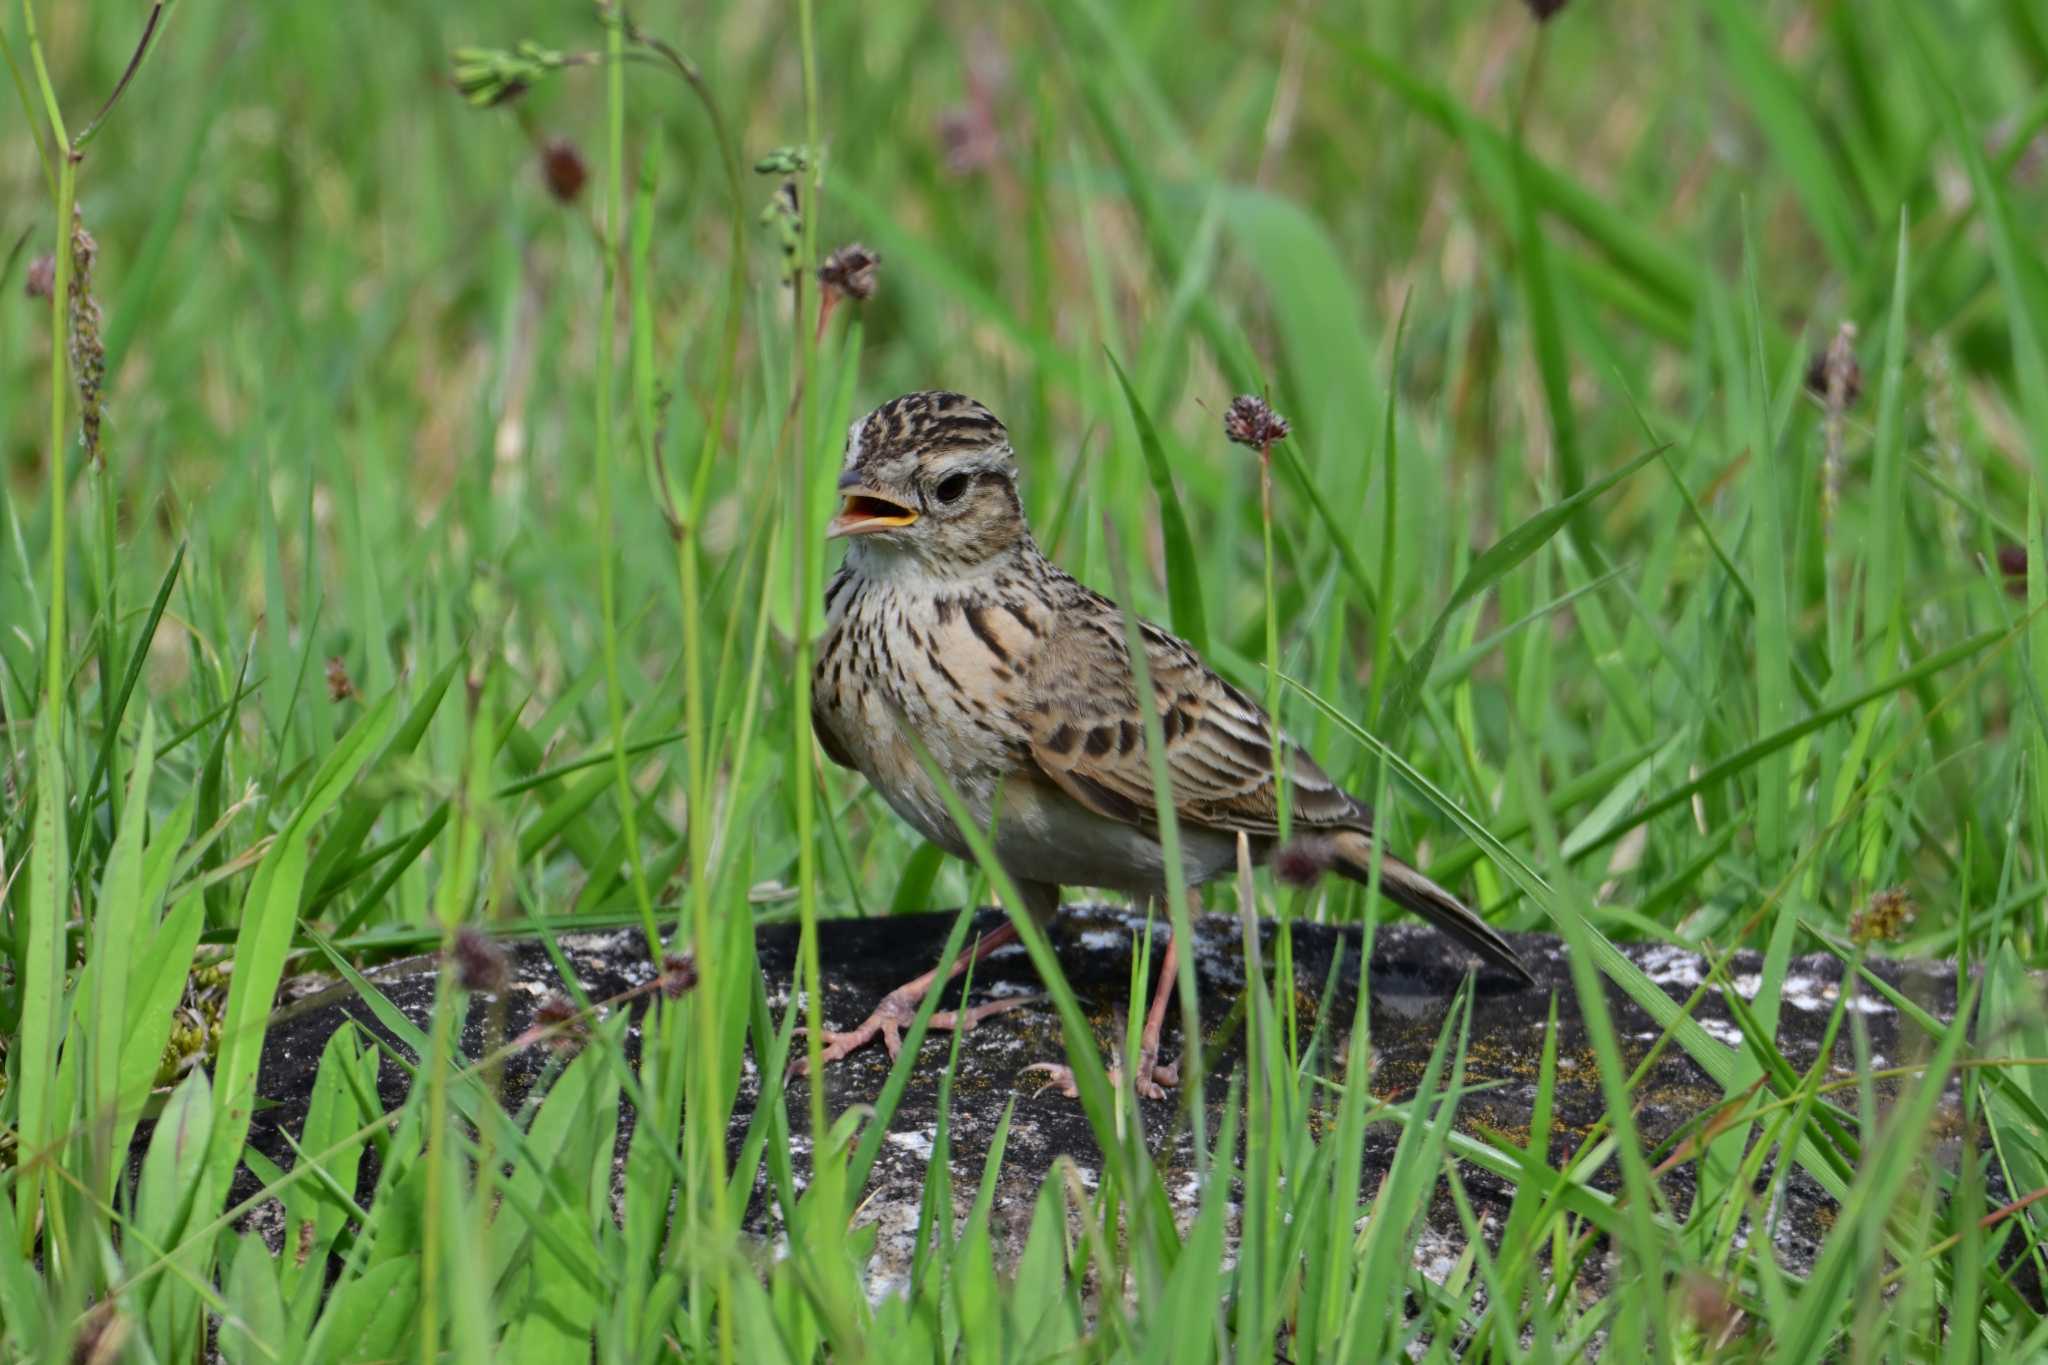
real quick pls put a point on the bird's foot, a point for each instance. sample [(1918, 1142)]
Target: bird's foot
[(893, 1015), (1152, 1082)]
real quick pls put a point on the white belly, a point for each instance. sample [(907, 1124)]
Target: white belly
[(1045, 835)]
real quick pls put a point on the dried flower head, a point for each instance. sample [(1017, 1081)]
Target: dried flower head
[(1303, 861), (850, 271), (1250, 421), (480, 964), (967, 137), (970, 132), (1545, 10), (1708, 1306), (2012, 566), (1885, 919), (563, 1023), (42, 277), (102, 1335), (1834, 375), (340, 687), (562, 169), (678, 975)]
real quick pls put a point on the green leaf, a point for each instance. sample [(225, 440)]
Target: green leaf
[(253, 1330), (566, 1171), (313, 1216), (360, 812), (155, 983), (26, 1311), (117, 949), (1043, 1318), (33, 1059), (137, 657), (1190, 1323), (167, 1199), (371, 1316)]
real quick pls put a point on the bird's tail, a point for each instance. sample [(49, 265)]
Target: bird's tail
[(1411, 890)]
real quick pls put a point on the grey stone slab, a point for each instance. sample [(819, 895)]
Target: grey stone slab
[(1415, 977)]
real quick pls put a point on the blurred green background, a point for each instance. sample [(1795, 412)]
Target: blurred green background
[(351, 341)]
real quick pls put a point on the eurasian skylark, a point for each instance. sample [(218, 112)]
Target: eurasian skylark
[(947, 619)]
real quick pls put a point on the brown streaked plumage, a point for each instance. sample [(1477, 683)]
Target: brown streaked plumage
[(1017, 678)]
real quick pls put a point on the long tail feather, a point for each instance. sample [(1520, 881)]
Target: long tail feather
[(1408, 888)]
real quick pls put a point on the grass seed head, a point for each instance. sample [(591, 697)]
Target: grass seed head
[(783, 216), (2012, 566), (41, 278), (566, 1027), (88, 352), (784, 161), (480, 964), (678, 975), (968, 139), (1834, 375), (1250, 421), (340, 687), (563, 169), (1885, 919), (851, 271), (489, 76)]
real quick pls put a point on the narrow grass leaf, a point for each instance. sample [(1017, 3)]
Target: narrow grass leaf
[(1183, 577), (33, 1059)]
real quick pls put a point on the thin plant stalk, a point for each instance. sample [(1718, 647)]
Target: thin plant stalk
[(800, 550), (615, 702), (707, 1145), (44, 942), (60, 293)]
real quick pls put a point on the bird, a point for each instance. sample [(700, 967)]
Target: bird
[(948, 630)]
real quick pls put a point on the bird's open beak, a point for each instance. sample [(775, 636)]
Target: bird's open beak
[(866, 511)]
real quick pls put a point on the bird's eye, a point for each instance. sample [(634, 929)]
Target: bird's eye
[(951, 487)]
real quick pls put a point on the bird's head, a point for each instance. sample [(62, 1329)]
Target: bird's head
[(930, 475)]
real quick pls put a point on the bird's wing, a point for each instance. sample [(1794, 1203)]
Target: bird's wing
[(1087, 734)]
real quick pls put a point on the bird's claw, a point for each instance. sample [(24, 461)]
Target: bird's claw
[(888, 1020), (1153, 1078), (1058, 1074)]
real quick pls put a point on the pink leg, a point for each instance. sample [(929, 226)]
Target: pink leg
[(1150, 1072), (899, 1007), (1152, 1077)]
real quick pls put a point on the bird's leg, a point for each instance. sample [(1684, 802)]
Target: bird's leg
[(1152, 1078), (899, 1006), (1150, 1072)]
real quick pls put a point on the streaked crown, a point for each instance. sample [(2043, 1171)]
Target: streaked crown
[(888, 446)]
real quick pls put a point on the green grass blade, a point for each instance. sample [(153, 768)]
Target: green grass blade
[(42, 967), (1183, 577)]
